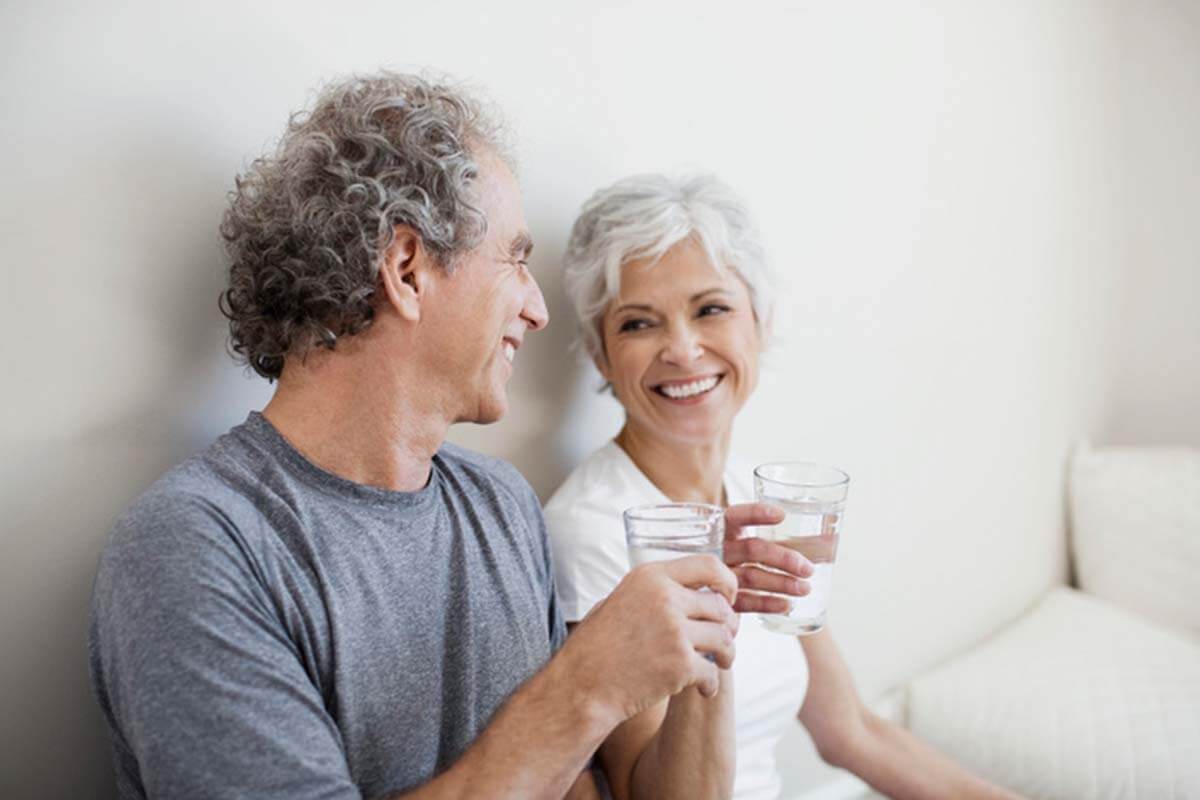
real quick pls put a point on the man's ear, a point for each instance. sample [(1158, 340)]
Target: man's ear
[(404, 273)]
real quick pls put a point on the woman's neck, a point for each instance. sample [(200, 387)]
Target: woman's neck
[(685, 473)]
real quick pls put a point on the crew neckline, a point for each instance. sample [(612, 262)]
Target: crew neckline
[(269, 437), (652, 486)]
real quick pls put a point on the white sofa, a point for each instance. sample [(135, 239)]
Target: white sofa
[(1095, 692)]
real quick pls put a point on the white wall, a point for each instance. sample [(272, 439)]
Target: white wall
[(969, 220), (1156, 398)]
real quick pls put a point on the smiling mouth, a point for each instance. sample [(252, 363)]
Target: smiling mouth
[(683, 391)]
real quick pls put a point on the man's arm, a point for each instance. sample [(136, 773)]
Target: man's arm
[(200, 682), (210, 696), (645, 642), (848, 735)]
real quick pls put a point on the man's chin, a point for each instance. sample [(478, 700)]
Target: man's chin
[(491, 410)]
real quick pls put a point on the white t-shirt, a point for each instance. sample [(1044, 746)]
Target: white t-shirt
[(587, 540)]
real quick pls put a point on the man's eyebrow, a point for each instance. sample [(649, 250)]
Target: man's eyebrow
[(522, 245)]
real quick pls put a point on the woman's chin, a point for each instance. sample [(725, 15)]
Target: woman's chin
[(688, 432)]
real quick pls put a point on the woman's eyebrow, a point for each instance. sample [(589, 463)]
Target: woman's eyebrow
[(706, 292), (632, 307), (694, 298)]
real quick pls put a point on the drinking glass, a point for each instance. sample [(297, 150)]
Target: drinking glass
[(813, 496), (672, 530)]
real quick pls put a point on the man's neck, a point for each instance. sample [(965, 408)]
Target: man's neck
[(685, 473), (360, 422)]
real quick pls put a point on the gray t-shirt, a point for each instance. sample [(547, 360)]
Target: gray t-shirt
[(263, 628)]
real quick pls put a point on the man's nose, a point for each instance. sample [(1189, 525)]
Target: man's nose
[(682, 346), (534, 312)]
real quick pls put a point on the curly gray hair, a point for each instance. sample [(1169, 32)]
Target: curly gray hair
[(306, 227), (644, 216)]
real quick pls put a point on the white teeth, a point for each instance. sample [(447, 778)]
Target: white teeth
[(510, 352), (680, 391)]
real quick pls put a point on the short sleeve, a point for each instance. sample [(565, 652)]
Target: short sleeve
[(587, 543), (195, 670), (554, 620)]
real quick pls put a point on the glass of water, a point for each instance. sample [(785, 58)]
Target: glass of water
[(813, 497), (672, 530)]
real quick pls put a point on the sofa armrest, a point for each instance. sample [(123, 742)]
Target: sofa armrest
[(1135, 529)]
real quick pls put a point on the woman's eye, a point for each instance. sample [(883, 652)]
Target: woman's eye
[(633, 325), (713, 308)]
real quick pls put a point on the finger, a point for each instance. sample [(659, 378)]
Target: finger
[(707, 607), (749, 602), (754, 577), (712, 639), (746, 514), (769, 554), (705, 676), (702, 571)]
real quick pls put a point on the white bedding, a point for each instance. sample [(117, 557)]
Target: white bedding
[(1079, 699), (1135, 529)]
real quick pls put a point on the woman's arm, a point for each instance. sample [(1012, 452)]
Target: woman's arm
[(848, 735), (682, 747)]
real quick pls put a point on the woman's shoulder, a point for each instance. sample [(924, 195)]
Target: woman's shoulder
[(739, 478), (602, 478)]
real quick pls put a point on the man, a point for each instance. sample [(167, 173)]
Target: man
[(330, 601)]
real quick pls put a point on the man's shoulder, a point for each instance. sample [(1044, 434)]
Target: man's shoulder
[(199, 500), (488, 469)]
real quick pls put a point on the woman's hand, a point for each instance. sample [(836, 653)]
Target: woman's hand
[(761, 565)]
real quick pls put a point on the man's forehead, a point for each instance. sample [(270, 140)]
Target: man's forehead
[(500, 200)]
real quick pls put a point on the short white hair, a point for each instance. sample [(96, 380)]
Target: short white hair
[(644, 216)]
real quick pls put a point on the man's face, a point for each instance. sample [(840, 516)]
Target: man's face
[(480, 312)]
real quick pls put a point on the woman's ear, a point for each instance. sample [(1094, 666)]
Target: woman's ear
[(600, 359), (601, 363), (404, 273)]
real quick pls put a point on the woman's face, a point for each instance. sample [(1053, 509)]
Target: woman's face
[(681, 346)]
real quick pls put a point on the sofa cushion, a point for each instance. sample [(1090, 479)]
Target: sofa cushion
[(1078, 699), (1135, 529)]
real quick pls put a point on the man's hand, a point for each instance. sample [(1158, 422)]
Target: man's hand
[(648, 639), (760, 565)]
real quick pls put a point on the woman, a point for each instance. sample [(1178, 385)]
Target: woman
[(672, 295)]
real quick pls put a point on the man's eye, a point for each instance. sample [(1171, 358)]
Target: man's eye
[(633, 325), (713, 308)]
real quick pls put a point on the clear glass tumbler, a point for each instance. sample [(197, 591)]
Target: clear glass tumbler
[(813, 497), (672, 530)]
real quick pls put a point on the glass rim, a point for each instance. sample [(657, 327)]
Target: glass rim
[(842, 481), (643, 513)]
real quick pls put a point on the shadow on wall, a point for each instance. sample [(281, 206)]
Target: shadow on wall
[(61, 492)]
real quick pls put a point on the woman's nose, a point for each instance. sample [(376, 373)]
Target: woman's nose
[(682, 346)]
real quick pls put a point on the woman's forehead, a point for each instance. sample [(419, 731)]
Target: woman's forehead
[(672, 280)]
